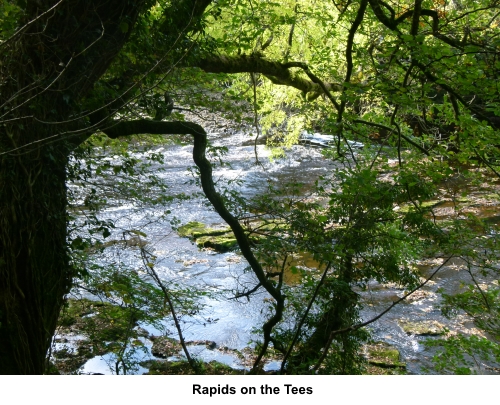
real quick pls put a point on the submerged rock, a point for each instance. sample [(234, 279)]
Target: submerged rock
[(383, 355), (221, 240), (422, 328)]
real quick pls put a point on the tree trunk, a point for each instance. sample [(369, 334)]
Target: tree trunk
[(48, 75), (48, 69), (35, 273), (340, 313)]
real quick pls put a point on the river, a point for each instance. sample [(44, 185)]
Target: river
[(229, 322)]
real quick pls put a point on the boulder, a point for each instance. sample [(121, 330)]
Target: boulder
[(382, 354), (422, 328), (164, 347), (221, 240)]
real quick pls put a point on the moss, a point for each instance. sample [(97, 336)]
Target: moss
[(221, 240), (220, 243), (493, 196), (197, 230), (188, 229), (423, 328), (384, 355)]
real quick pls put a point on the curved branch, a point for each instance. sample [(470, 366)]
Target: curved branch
[(392, 23), (125, 128), (324, 86), (454, 94)]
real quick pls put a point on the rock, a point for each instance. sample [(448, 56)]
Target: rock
[(142, 332), (164, 347), (383, 355), (221, 240), (422, 328), (188, 229), (220, 243), (211, 345)]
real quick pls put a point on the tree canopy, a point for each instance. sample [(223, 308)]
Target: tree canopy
[(416, 79)]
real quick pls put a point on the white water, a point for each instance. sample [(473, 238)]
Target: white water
[(226, 321)]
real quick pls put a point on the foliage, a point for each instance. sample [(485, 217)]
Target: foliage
[(183, 368), (413, 80), (353, 235), (463, 354), (106, 328)]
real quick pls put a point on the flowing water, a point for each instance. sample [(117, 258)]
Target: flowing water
[(229, 322)]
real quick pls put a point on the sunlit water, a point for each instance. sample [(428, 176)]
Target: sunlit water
[(226, 321)]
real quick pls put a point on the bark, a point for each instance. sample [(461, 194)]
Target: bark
[(48, 76), (47, 68), (48, 89), (34, 266)]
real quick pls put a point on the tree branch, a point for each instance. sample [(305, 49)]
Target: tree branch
[(374, 124), (124, 128), (277, 72), (392, 23)]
